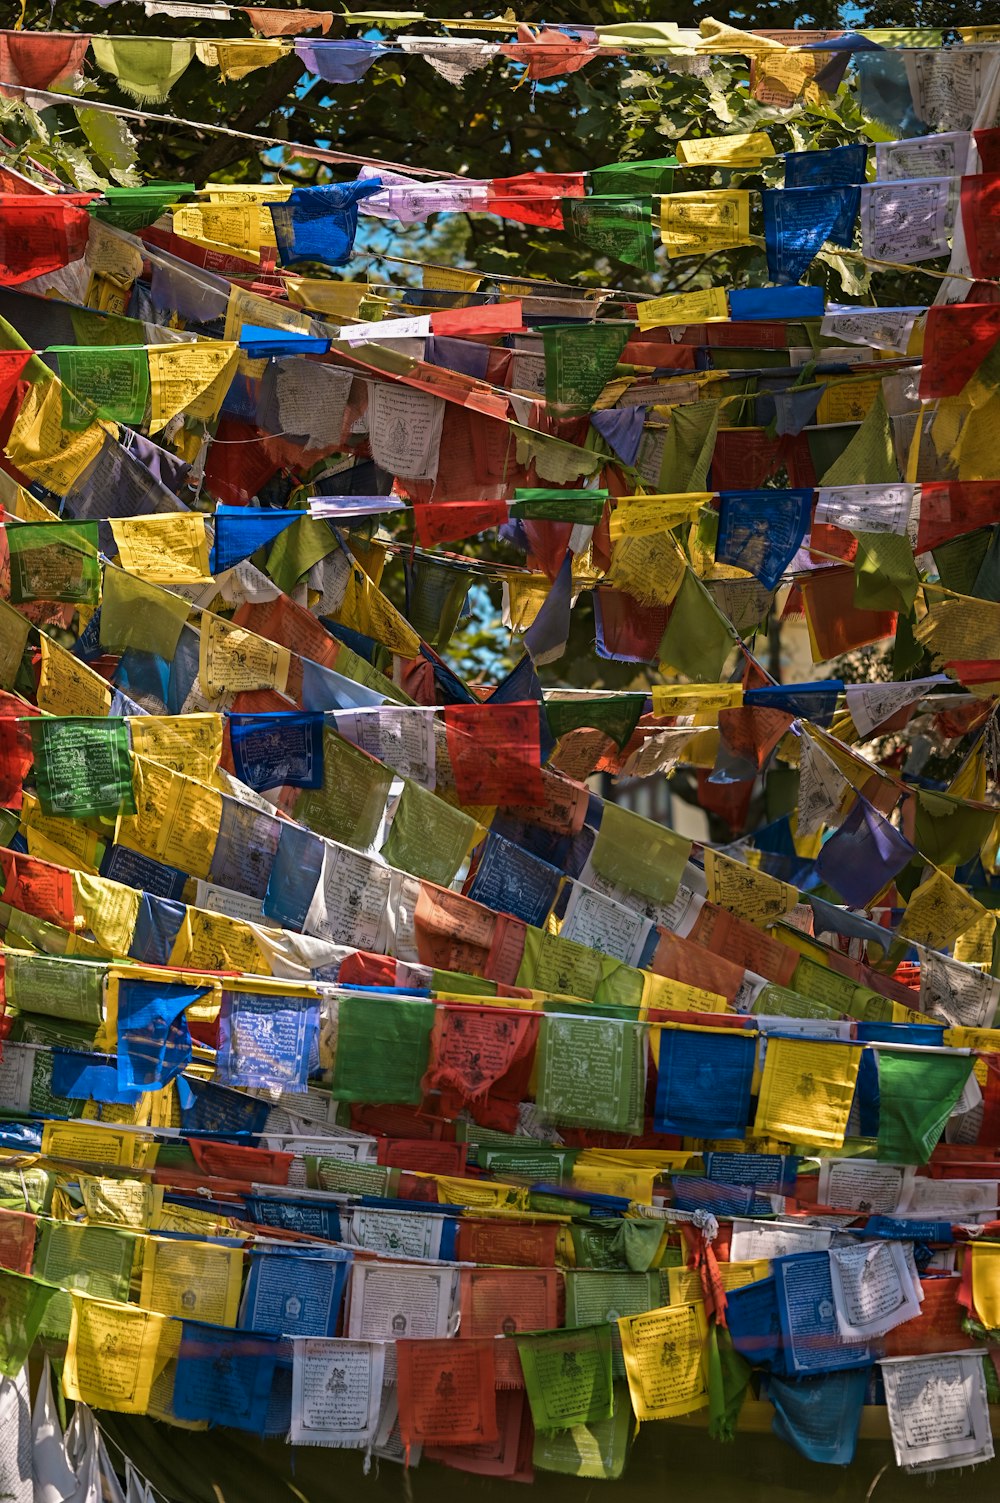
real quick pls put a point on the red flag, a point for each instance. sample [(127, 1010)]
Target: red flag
[(495, 753), (957, 340), (37, 59), (836, 625), (980, 212), (39, 235), (949, 508), (447, 1392), (490, 318), (535, 197)]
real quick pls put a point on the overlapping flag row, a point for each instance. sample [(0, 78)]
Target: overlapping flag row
[(369, 1079)]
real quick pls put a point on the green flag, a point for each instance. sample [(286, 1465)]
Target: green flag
[(297, 548), (82, 766), (349, 806), (382, 1048), (916, 1096), (428, 837), (586, 507), (619, 227), (615, 715), (113, 378), (653, 175), (591, 1073), (870, 457), (23, 1304), (579, 361), (698, 638), (135, 208), (599, 1450), (140, 615), (688, 448), (633, 852), (594, 1295), (56, 987), (54, 561), (947, 832), (885, 578), (567, 1375)]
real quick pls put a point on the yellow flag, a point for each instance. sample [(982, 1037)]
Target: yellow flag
[(638, 516), (87, 1144), (449, 279), (938, 911), (651, 569), (664, 1354), (746, 150), (338, 299), (189, 378), (685, 1283), (42, 448), (235, 60), (613, 1179), (215, 942), (234, 228), (706, 306), (232, 659), (986, 1282), (666, 995), (478, 1194), (751, 894), (121, 1202), (170, 549), (365, 609), (807, 1091), (695, 699), (975, 946), (191, 1280), (177, 821), (68, 687), (109, 910), (69, 836), (189, 744), (114, 1354), (245, 307), (693, 224), (523, 597)]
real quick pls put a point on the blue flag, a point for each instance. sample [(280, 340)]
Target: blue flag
[(811, 1339), (840, 167), (761, 531), (752, 1318), (294, 1291), (338, 62), (77, 1076), (156, 929), (241, 530), (815, 701), (219, 1112), (280, 749), (295, 872), (863, 856), (746, 304), (224, 1376), (319, 224), (703, 1086), (154, 1042), (820, 1417), (266, 1040), (799, 221), (511, 880)]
